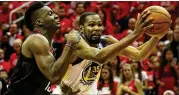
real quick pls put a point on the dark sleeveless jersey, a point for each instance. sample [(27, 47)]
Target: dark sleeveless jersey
[(27, 79)]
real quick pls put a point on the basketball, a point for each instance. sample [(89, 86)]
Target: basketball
[(161, 20)]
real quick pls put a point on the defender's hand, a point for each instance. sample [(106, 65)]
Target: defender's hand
[(142, 24), (73, 37)]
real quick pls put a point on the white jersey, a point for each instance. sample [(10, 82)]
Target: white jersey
[(84, 76)]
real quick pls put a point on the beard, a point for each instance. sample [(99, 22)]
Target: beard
[(92, 40)]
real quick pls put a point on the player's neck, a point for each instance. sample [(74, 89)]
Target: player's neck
[(93, 45), (48, 34)]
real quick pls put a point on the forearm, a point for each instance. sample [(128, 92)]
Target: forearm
[(60, 67), (114, 49), (148, 48)]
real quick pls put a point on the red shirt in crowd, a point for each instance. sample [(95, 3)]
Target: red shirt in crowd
[(65, 25), (108, 28), (132, 87), (114, 88), (150, 75), (13, 59), (5, 65), (167, 77)]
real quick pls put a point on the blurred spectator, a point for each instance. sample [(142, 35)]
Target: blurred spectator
[(65, 23), (108, 28), (168, 37), (167, 75), (13, 58), (3, 81), (160, 47), (1, 32), (79, 9), (131, 26), (122, 9), (115, 67), (75, 23), (138, 7), (151, 72), (13, 33), (140, 74), (175, 42), (103, 5), (8, 50), (3, 64), (129, 85), (5, 9), (177, 21), (106, 84)]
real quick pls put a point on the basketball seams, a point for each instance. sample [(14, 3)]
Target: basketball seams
[(152, 32), (160, 13), (161, 22)]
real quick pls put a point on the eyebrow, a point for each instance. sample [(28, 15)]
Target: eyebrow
[(94, 21)]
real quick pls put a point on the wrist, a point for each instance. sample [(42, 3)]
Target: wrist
[(70, 45), (135, 34)]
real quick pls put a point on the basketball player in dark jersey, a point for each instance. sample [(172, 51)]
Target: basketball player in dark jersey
[(36, 64)]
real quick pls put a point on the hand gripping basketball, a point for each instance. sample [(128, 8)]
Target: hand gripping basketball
[(142, 24)]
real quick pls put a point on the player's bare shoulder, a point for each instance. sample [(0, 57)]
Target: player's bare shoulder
[(36, 42)]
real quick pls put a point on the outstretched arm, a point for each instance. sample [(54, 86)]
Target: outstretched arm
[(83, 50), (143, 53), (139, 53)]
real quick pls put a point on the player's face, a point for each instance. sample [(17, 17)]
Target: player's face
[(93, 28), (48, 18)]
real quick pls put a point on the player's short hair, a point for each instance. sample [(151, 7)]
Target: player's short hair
[(83, 17), (27, 18)]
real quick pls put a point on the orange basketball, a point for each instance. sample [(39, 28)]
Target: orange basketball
[(161, 22)]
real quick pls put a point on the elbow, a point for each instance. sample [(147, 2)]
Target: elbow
[(141, 57)]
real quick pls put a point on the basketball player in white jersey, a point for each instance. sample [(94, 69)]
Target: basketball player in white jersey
[(84, 76)]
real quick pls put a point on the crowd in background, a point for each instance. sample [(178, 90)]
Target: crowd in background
[(157, 74)]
